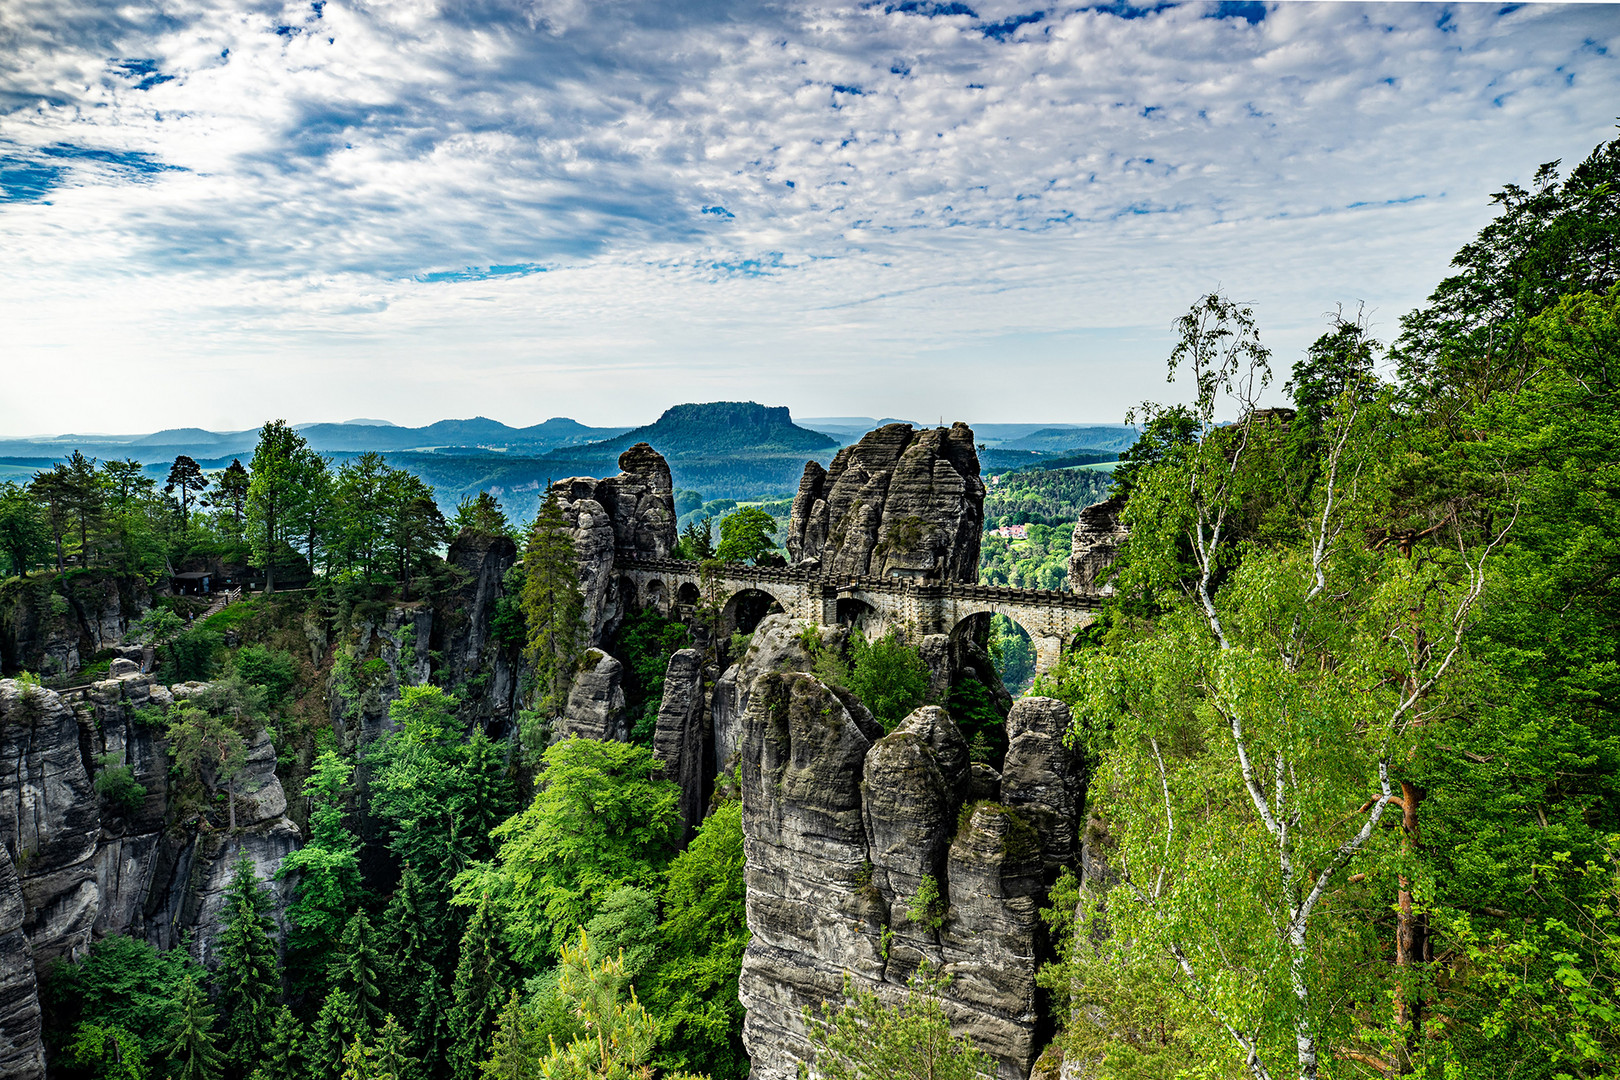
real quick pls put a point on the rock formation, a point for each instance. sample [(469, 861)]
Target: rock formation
[(595, 708), (682, 739), (843, 826), (485, 668), (900, 502), (629, 516), (78, 868), (1097, 536), (22, 1053), (52, 627)]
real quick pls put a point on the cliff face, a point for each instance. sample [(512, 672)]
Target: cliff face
[(51, 626), (629, 516), (843, 826), (1097, 536), (899, 502), (486, 669), (76, 869)]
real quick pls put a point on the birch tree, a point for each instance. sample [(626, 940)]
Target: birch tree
[(1250, 745)]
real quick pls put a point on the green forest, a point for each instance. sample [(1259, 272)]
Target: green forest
[(1348, 721)]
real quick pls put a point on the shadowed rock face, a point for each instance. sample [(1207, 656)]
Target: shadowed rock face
[(899, 502), (681, 738), (461, 630), (1097, 536), (22, 1054), (75, 868), (596, 702), (842, 825), (1041, 776), (629, 516)]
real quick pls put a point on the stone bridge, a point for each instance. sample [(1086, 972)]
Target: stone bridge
[(919, 605)]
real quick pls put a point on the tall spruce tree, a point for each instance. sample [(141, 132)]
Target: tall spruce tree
[(331, 1038), (414, 949), (355, 974), (484, 977), (283, 1056), (328, 866), (191, 1050), (553, 605), (247, 981)]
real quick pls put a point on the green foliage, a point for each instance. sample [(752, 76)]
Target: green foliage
[(1014, 655), (980, 722), (190, 1045), (273, 669), (1040, 561), (247, 984), (480, 515), (888, 676), (124, 983), (745, 535), (619, 1035), (553, 607), (25, 538), (106, 1052), (864, 1040), (697, 540), (600, 821), (283, 1054), (115, 782), (644, 643), (1052, 497), (189, 656), (355, 975), (927, 908), (507, 626), (328, 869), (484, 979), (692, 988), (626, 925), (416, 932)]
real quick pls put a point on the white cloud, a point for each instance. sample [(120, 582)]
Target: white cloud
[(906, 215)]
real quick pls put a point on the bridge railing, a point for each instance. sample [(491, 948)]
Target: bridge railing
[(955, 590)]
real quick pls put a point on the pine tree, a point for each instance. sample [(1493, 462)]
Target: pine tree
[(330, 1040), (283, 1054), (354, 976), (191, 1050), (392, 1052), (416, 988), (553, 604), (483, 978), (246, 979), (517, 1047)]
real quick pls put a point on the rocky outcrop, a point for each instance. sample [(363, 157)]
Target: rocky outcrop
[(1041, 775), (358, 693), (484, 671), (22, 1054), (51, 626), (596, 702), (629, 516), (778, 643), (900, 502), (870, 854), (681, 739), (1097, 537), (88, 865)]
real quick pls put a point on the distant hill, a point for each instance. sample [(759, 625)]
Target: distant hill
[(849, 429), (1113, 437), (743, 426)]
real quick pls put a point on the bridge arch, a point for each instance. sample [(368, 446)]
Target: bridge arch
[(745, 607)]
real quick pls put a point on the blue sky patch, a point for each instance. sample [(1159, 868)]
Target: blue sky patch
[(722, 212), (930, 9), (1250, 12), (1127, 11), (482, 273), (143, 72), (1001, 31), (28, 176)]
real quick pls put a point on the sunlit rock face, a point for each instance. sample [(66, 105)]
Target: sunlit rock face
[(900, 502), (847, 831)]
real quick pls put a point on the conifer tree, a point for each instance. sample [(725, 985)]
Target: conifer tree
[(328, 866), (192, 1053), (392, 1052), (483, 978), (553, 604), (330, 1040), (416, 988), (518, 1045), (246, 978), (283, 1054), (354, 976)]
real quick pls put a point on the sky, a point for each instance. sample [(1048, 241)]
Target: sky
[(213, 213)]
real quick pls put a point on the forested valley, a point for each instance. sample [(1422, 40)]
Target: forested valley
[(1346, 718)]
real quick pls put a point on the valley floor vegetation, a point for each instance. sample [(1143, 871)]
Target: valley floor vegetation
[(1349, 723)]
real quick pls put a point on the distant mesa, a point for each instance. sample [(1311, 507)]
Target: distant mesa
[(370, 423)]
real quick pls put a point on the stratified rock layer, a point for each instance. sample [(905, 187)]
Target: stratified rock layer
[(629, 516), (22, 1054), (900, 502), (848, 831), (596, 702), (1097, 536), (681, 738)]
